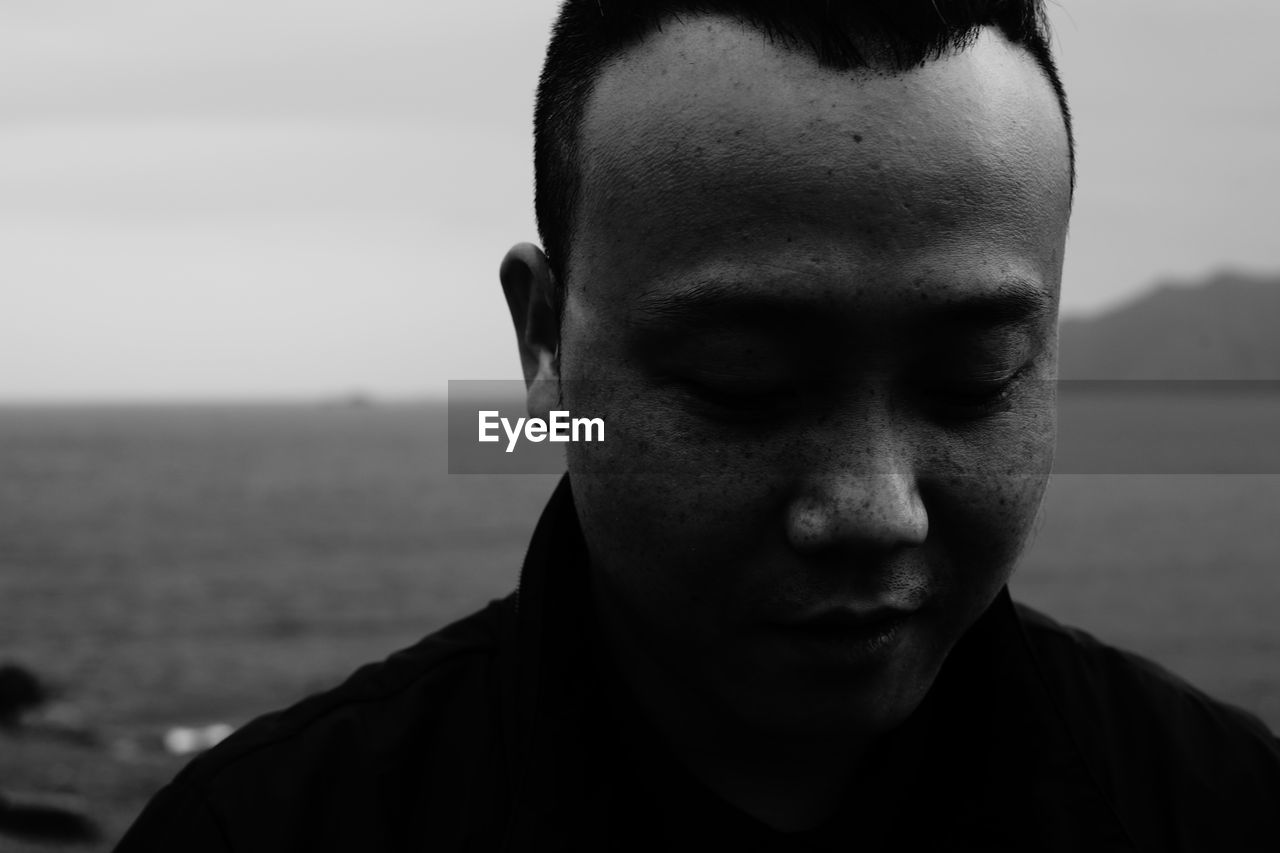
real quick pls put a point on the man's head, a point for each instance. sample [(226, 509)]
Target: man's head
[(815, 301)]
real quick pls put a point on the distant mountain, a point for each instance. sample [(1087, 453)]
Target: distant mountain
[(1227, 327)]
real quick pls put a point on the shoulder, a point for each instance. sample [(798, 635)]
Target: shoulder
[(374, 710), (412, 728), (1178, 763), (1129, 687)]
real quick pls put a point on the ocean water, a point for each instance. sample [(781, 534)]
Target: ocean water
[(205, 562)]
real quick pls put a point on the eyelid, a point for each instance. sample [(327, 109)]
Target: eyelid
[(991, 399), (745, 386), (757, 402), (997, 351)]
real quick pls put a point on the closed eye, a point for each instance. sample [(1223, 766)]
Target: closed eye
[(739, 402), (967, 398)]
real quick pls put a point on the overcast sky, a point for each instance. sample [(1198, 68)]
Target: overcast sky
[(251, 198)]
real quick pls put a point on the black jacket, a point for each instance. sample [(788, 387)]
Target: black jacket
[(494, 734)]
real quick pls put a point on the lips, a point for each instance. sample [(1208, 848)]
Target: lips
[(854, 636), (870, 621), (853, 617)]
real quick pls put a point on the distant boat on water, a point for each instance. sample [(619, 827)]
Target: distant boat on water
[(351, 400)]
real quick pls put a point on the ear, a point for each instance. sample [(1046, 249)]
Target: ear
[(532, 297)]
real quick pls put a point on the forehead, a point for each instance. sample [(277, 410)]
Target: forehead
[(706, 146)]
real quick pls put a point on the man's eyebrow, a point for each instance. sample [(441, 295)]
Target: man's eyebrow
[(1009, 299), (703, 297)]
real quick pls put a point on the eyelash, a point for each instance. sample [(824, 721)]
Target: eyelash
[(990, 397), (740, 406), (958, 400)]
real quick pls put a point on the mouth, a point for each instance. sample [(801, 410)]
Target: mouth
[(853, 637), (850, 623)]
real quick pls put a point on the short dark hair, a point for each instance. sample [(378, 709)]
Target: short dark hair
[(840, 34)]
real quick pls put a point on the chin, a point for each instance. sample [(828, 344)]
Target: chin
[(787, 700)]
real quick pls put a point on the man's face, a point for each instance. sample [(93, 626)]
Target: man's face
[(824, 305)]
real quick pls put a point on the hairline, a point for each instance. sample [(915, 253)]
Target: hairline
[(571, 152)]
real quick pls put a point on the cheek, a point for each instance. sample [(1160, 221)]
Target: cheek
[(669, 557), (685, 534), (986, 517), (677, 506), (671, 521), (668, 513), (986, 506)]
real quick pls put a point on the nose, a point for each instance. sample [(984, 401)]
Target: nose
[(873, 506)]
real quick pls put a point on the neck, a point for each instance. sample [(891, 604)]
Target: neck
[(790, 784)]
